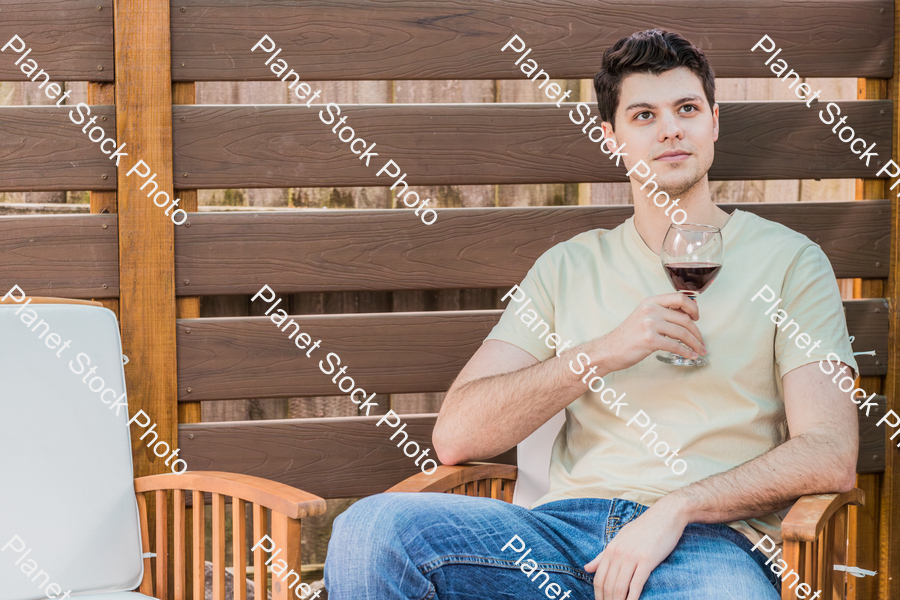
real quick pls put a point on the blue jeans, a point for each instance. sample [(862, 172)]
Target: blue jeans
[(448, 547)]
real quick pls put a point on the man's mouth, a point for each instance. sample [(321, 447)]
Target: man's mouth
[(673, 156)]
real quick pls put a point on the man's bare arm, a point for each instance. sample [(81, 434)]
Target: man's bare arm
[(484, 413), (504, 394), (820, 457)]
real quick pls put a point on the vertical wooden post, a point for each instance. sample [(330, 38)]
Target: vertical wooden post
[(103, 201), (285, 535), (889, 586), (864, 520), (146, 257), (187, 307)]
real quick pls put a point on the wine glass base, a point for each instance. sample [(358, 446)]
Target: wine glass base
[(680, 361)]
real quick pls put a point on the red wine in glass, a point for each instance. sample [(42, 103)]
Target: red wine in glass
[(692, 256), (692, 278)]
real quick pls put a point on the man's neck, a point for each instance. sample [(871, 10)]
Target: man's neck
[(652, 223)]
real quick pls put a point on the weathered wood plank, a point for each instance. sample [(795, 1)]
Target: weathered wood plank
[(871, 438), (239, 357), (461, 39), (435, 144), (867, 321), (72, 41), (351, 457), (42, 149), (333, 457), (236, 253), (225, 358), (146, 265), (269, 146), (70, 256)]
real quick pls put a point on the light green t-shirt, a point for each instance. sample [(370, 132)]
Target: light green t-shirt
[(720, 415)]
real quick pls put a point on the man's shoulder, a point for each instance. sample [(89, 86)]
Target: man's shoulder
[(581, 245), (762, 237), (763, 230)]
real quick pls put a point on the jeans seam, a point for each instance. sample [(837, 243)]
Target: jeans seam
[(612, 521), (501, 563)]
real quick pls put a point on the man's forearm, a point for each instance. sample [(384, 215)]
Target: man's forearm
[(487, 416), (811, 463)]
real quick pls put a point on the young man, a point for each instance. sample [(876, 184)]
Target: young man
[(619, 522)]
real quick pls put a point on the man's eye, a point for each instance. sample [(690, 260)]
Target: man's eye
[(690, 106), (649, 115)]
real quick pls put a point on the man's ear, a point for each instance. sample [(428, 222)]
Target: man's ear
[(715, 115), (608, 133)]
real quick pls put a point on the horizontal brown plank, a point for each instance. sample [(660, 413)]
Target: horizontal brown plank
[(384, 353), (461, 39), (867, 321), (70, 256), (332, 458), (284, 146), (871, 438), (352, 457), (295, 251), (436, 144), (72, 41), (41, 149), (241, 357)]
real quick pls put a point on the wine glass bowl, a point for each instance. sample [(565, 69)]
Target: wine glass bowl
[(691, 256)]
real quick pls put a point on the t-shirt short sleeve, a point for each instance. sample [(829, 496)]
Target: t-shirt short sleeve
[(534, 299), (813, 301)]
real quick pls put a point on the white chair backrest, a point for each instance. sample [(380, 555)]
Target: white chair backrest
[(68, 514), (533, 480)]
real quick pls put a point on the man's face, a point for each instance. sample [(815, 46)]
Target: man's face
[(666, 120)]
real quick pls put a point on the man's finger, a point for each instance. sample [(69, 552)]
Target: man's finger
[(609, 584), (679, 301), (623, 581), (600, 576), (683, 319), (638, 582), (677, 332)]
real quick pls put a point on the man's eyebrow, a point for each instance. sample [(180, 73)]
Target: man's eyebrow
[(647, 105)]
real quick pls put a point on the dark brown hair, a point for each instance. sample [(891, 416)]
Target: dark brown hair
[(652, 51)]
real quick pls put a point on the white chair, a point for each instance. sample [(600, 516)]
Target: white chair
[(71, 522)]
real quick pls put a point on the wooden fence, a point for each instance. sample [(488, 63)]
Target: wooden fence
[(142, 60)]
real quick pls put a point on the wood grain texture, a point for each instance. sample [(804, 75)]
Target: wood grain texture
[(338, 457), (42, 149), (865, 523), (447, 477), (146, 265), (435, 144), (331, 457), (461, 39), (871, 438), (867, 321), (199, 545), (229, 358), (236, 253), (889, 536), (74, 256), (71, 40), (226, 358), (808, 516)]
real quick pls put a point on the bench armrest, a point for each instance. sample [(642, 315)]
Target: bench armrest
[(810, 514), (445, 478)]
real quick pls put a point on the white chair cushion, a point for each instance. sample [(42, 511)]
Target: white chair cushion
[(67, 485), (533, 479)]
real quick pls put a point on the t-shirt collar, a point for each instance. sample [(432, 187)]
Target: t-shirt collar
[(642, 247)]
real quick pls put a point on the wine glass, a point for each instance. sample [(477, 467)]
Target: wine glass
[(692, 256)]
